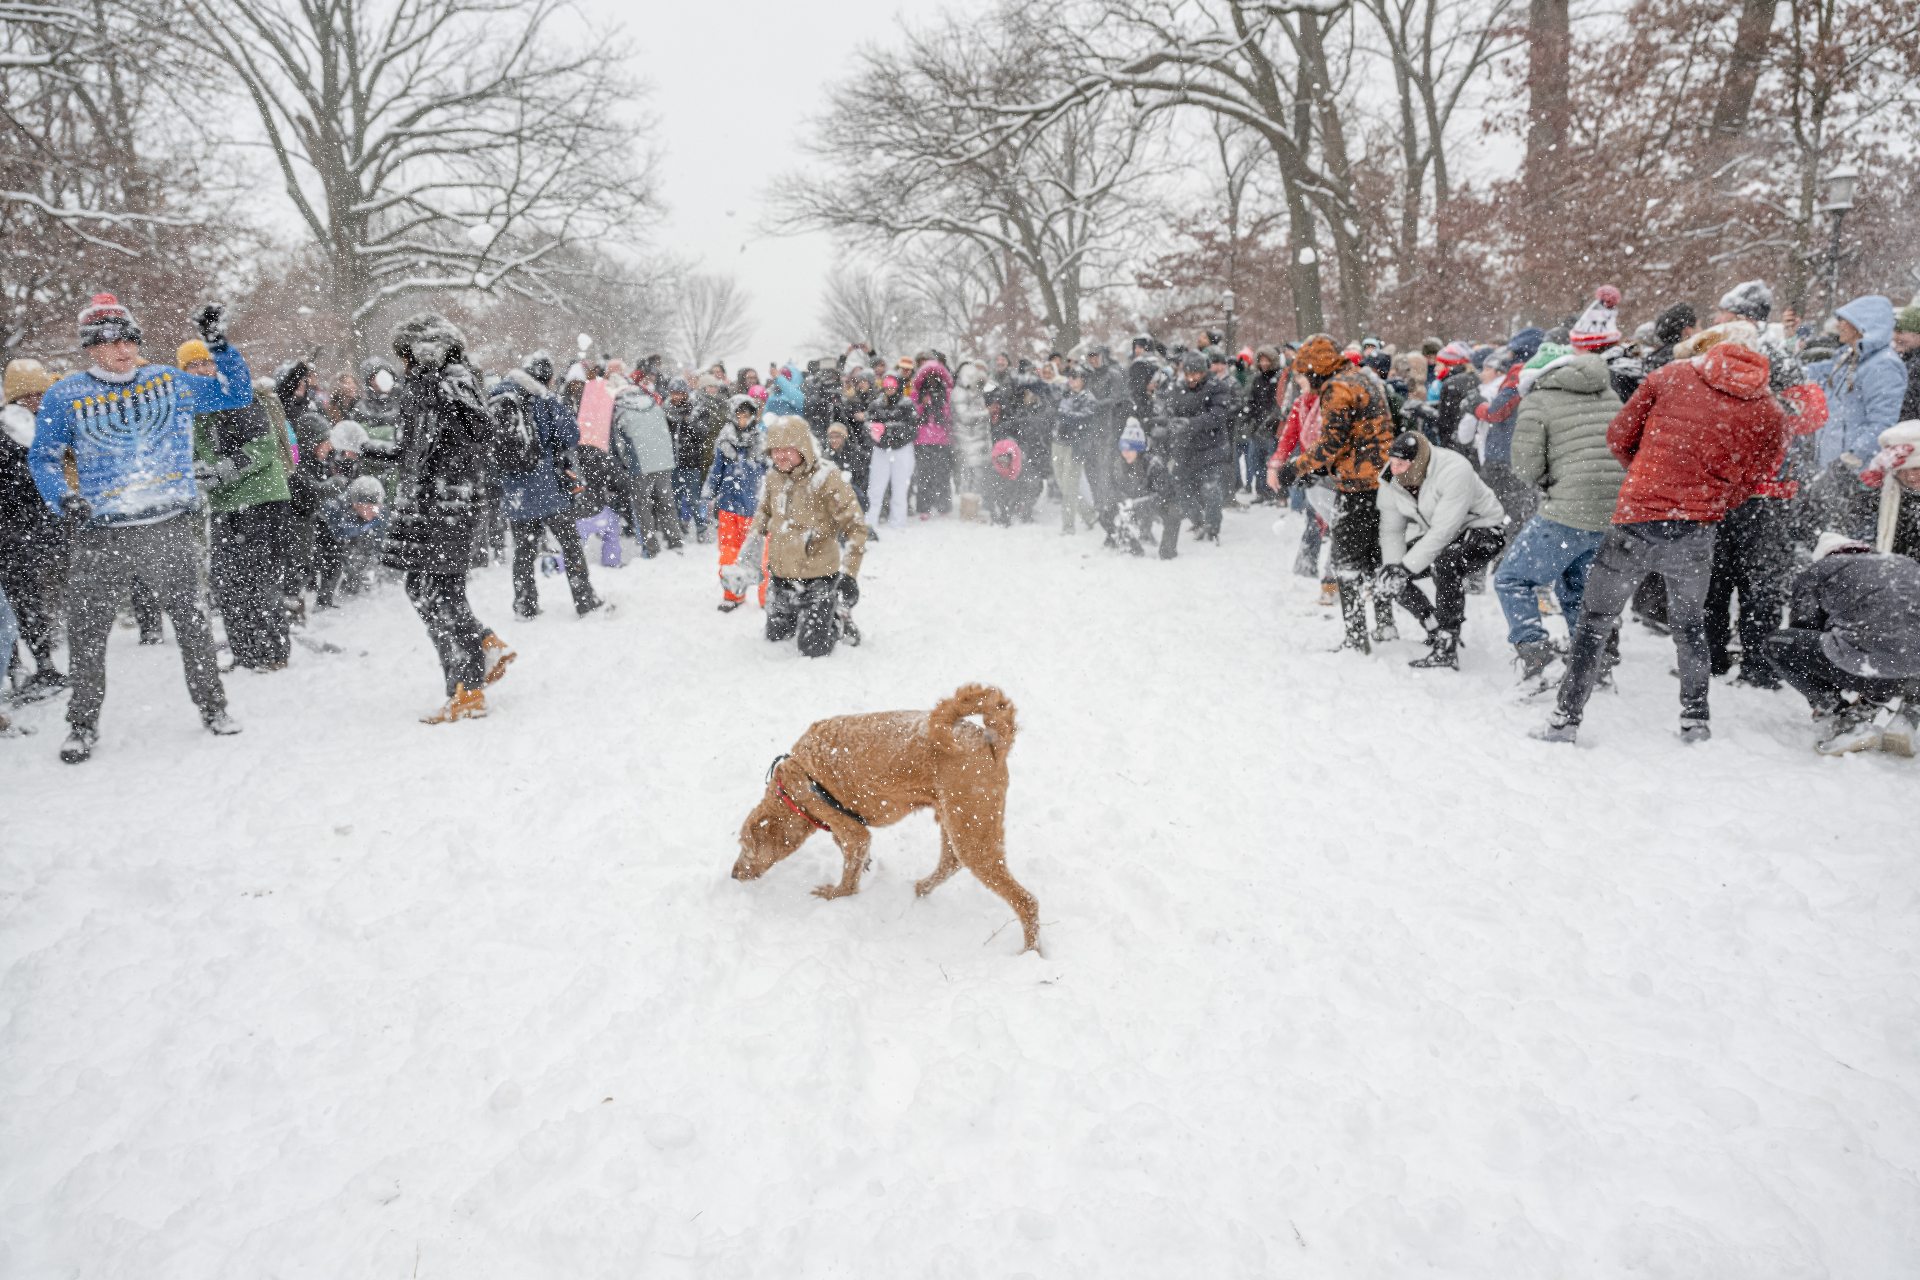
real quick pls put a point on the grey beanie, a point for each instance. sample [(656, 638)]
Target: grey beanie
[(1193, 362)]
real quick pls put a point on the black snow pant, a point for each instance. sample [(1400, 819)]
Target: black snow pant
[(655, 514), (441, 601), (1200, 486), (326, 563), (244, 565), (1354, 560), (1751, 553), (933, 478), (526, 554), (806, 606), (1796, 654), (29, 574), (147, 610), (1679, 551), (106, 562), (1466, 555)]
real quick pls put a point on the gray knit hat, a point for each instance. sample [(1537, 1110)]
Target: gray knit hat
[(1750, 301)]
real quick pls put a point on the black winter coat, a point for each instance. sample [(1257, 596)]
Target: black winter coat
[(689, 435), (445, 434), (28, 527), (1208, 409), (1262, 408), (1109, 392), (1868, 606), (895, 416)]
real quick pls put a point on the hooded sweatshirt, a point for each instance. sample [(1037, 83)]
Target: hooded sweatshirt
[(806, 511), (1697, 438), (1864, 386), (1561, 442)]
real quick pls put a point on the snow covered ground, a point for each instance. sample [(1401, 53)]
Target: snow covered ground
[(1344, 976)]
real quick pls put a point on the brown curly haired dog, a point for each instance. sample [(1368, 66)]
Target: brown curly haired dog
[(850, 774)]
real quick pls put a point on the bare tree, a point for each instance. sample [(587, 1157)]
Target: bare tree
[(433, 145), (100, 184), (872, 306), (1058, 199), (710, 319)]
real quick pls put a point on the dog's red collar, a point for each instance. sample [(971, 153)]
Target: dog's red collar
[(789, 802)]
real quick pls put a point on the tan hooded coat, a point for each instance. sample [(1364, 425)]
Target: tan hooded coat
[(802, 512)]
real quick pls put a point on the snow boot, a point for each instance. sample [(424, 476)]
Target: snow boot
[(1853, 730), (1443, 650), (1692, 730), (1534, 657), (78, 748), (1329, 594), (8, 729), (42, 684), (220, 724), (1353, 613), (1558, 728), (1896, 737), (465, 704), (728, 606), (498, 654)]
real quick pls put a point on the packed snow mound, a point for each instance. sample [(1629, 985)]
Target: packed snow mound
[(1344, 976)]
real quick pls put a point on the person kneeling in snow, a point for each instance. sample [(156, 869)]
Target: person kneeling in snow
[(1854, 627), (1143, 492), (359, 525), (1461, 527), (805, 510)]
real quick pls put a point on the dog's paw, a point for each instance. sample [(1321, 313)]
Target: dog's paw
[(831, 891), (921, 888)]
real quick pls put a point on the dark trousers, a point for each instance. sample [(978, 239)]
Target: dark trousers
[(804, 606), (441, 601), (244, 565), (933, 478), (1466, 555), (1796, 654), (654, 516), (1200, 489), (1752, 553), (1356, 536), (1680, 552), (29, 575), (325, 563), (147, 610), (105, 564), (526, 554)]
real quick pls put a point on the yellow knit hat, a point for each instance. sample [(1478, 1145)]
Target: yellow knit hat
[(26, 377), (190, 350)]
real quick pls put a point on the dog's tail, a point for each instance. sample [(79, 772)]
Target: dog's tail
[(983, 700)]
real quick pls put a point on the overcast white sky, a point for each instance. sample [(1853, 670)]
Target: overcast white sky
[(733, 86)]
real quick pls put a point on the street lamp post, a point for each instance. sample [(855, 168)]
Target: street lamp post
[(1227, 297), (1840, 185)]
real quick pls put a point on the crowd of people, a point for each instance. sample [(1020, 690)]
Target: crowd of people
[(1731, 479)]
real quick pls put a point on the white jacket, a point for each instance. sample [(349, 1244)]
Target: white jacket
[(1452, 499)]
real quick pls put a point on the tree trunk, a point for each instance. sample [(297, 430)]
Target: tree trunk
[(1735, 103), (1349, 238), (1549, 44)]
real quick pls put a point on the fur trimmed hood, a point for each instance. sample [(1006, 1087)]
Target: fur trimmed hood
[(429, 342)]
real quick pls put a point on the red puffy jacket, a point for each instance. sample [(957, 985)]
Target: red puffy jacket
[(1697, 437)]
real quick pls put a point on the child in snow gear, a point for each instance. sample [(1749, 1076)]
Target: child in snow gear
[(733, 488), (806, 510), (1458, 521), (130, 427), (1143, 492), (1854, 628), (445, 435)]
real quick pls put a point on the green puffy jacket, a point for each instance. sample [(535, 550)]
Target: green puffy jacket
[(1561, 442), (254, 438)]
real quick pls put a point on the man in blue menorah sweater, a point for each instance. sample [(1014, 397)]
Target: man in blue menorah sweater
[(130, 428)]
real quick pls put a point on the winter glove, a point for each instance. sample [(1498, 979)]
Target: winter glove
[(849, 591), (211, 321), (216, 475), (1394, 579), (76, 508), (1284, 476), (457, 386), (737, 578)]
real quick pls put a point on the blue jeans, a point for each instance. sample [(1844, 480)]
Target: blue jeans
[(1545, 554), (686, 493)]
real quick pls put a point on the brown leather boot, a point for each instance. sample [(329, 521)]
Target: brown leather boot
[(498, 654), (465, 704)]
